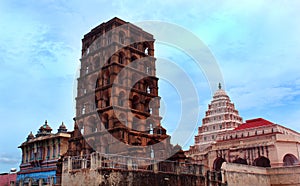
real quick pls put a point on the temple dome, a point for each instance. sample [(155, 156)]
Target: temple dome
[(30, 136), (62, 128), (44, 130), (220, 93)]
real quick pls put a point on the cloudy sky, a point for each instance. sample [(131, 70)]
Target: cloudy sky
[(256, 45)]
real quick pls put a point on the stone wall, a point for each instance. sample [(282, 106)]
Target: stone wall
[(107, 169), (284, 175), (108, 177), (237, 174)]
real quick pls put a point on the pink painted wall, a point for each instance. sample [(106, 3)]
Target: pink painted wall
[(6, 178)]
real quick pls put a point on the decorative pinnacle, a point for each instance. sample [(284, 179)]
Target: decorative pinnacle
[(220, 86)]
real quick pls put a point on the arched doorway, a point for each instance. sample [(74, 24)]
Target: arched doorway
[(289, 160), (262, 162), (218, 163)]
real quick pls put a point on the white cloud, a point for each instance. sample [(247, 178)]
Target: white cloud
[(9, 159), (251, 97)]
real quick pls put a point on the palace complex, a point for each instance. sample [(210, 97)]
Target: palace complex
[(118, 138)]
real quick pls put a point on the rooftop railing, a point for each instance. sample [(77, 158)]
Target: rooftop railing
[(98, 160)]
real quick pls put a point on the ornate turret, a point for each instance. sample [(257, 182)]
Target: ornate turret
[(30, 136), (62, 128), (44, 130)]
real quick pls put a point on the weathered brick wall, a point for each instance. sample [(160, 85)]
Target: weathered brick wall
[(108, 177)]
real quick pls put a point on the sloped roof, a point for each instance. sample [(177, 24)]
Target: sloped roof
[(253, 123)]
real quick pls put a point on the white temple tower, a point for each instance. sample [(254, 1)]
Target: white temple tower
[(221, 116)]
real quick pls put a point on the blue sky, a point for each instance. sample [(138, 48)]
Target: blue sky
[(256, 44)]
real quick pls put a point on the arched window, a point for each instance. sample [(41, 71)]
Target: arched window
[(105, 121), (147, 104), (150, 128), (86, 70), (147, 87), (121, 99), (147, 69), (151, 152), (135, 102), (54, 149), (133, 61), (109, 39), (135, 81), (262, 162), (107, 101), (121, 58), (92, 124), (148, 90), (159, 131), (121, 77), (97, 83), (135, 123), (218, 163), (83, 110), (82, 129), (94, 128), (122, 119), (97, 62), (133, 43), (98, 43), (146, 51), (146, 48), (106, 78), (121, 37), (150, 110), (289, 160)]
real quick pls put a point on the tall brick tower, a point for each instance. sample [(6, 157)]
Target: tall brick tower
[(117, 103)]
